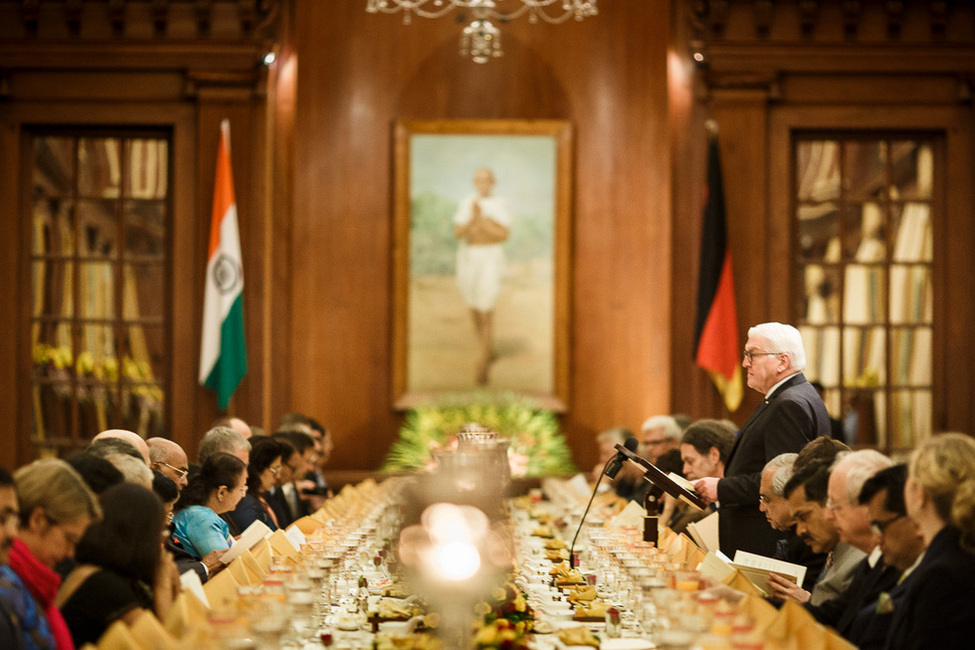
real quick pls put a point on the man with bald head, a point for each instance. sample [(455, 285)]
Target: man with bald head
[(130, 437), (169, 459), (236, 424)]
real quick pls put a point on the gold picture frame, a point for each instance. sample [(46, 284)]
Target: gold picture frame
[(444, 340)]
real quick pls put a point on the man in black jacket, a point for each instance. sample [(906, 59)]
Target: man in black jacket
[(791, 415)]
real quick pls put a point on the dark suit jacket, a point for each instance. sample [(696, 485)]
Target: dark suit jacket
[(793, 549), (938, 610), (279, 504), (866, 586), (870, 627), (784, 422)]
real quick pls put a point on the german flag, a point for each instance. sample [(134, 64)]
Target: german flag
[(716, 325)]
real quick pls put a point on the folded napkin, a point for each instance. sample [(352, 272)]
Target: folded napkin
[(151, 632), (186, 614), (118, 636), (787, 623), (221, 591)]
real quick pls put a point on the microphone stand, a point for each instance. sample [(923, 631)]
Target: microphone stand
[(652, 503), (572, 555)]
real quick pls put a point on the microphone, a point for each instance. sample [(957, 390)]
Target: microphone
[(610, 469)]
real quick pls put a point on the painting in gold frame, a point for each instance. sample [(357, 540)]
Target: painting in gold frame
[(481, 309)]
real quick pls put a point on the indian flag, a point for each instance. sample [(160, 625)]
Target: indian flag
[(223, 355)]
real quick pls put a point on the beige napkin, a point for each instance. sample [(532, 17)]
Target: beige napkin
[(237, 570), (118, 636), (811, 636), (221, 591), (788, 621), (151, 632), (693, 555), (309, 524), (281, 545), (758, 609), (186, 613), (253, 568), (262, 553)]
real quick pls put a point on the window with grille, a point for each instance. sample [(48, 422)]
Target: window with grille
[(863, 216), (100, 215)]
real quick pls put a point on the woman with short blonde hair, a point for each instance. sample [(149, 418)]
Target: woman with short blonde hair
[(56, 507), (938, 603)]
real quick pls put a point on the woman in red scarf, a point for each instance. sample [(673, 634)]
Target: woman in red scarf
[(56, 507)]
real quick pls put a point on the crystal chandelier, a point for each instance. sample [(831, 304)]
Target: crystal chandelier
[(481, 39)]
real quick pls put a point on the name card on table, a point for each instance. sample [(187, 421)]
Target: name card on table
[(254, 533)]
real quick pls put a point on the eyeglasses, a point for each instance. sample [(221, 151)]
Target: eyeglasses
[(9, 517), (182, 473), (750, 356), (832, 505), (275, 470), (878, 527)]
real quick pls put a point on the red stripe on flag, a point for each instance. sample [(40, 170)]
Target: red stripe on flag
[(717, 348)]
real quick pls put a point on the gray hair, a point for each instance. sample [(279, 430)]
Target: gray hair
[(862, 465), (782, 466), (785, 339), (221, 440), (672, 430), (135, 471), (617, 435)]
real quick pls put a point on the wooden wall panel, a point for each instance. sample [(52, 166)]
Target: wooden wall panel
[(357, 73)]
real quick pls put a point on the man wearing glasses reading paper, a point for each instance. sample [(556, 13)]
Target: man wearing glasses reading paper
[(791, 415)]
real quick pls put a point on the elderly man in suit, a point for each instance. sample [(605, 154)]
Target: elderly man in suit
[(791, 415)]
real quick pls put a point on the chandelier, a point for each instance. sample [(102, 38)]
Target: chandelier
[(481, 39)]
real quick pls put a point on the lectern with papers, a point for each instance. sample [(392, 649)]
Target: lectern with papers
[(661, 483)]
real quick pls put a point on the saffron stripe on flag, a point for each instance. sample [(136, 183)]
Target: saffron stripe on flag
[(223, 354)]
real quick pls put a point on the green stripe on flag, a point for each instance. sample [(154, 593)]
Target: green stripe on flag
[(231, 365)]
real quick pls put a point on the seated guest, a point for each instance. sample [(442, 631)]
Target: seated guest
[(658, 435), (217, 489), (169, 458), (105, 447), (323, 449), (167, 491), (262, 472), (902, 546), (223, 440), (704, 450), (130, 437), (606, 441), (135, 471), (806, 492), (772, 501), (98, 473), (122, 570), (290, 463), (56, 507), (11, 635), (235, 423), (296, 492), (939, 604), (872, 576)]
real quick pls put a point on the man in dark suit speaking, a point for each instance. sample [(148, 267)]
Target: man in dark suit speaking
[(791, 415)]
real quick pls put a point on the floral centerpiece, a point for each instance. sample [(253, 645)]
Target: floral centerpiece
[(537, 448), (507, 619)]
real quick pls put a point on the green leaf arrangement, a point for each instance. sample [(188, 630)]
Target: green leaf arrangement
[(538, 447)]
